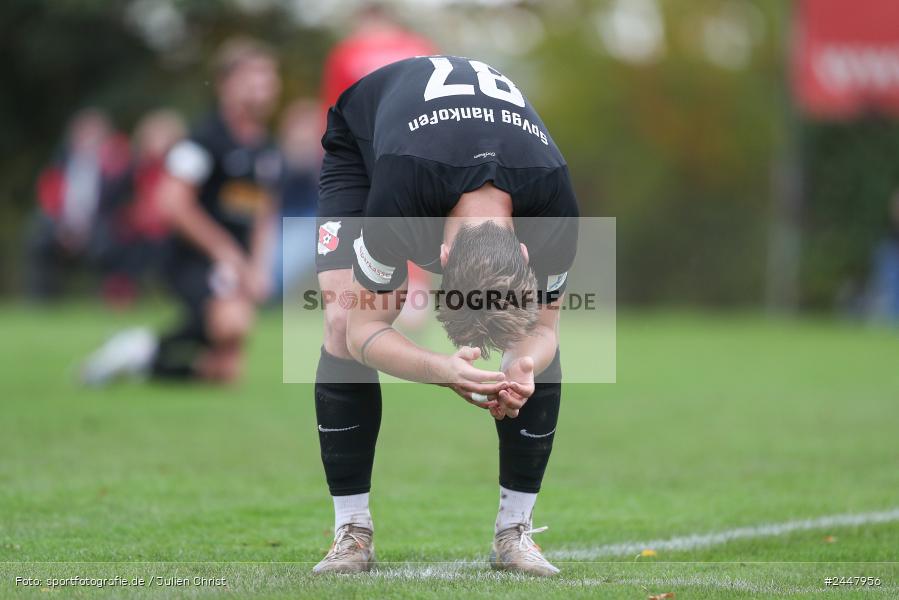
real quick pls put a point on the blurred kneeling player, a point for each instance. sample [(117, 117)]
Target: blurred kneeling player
[(217, 194)]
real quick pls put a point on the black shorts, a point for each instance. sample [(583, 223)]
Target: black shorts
[(343, 192), (188, 276)]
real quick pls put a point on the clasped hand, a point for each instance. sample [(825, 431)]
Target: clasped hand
[(503, 393)]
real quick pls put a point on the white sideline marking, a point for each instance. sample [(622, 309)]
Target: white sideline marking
[(474, 569), (705, 540)]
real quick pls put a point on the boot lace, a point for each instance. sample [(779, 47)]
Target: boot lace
[(525, 541), (345, 543)]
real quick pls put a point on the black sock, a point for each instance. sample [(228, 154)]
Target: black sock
[(526, 441), (177, 352), (348, 410)]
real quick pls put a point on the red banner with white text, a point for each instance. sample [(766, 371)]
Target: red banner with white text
[(846, 57)]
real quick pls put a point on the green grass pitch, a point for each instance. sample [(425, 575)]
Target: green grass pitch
[(716, 423)]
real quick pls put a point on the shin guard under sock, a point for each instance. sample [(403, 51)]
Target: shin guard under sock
[(526, 441), (348, 411)]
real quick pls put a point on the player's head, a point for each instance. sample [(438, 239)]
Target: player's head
[(88, 128), (300, 134), (373, 15), (156, 132), (487, 261), (246, 73)]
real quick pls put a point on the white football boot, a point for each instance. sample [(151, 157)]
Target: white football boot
[(353, 551), (514, 550), (127, 353)]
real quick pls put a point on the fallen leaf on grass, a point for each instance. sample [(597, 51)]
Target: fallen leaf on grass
[(664, 596)]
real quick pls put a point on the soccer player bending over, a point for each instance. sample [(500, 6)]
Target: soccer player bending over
[(442, 162), (217, 193)]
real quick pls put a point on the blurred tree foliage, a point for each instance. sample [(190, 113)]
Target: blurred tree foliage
[(678, 149), (683, 150), (851, 171)]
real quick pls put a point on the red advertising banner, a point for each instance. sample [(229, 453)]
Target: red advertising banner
[(846, 57)]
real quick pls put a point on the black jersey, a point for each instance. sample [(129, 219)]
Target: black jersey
[(233, 180), (430, 129)]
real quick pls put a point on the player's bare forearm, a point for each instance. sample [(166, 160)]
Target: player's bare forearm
[(256, 280), (541, 343), (179, 204), (378, 345), (372, 341), (262, 237), (382, 347), (526, 359)]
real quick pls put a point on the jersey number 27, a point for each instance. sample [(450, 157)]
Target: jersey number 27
[(487, 80)]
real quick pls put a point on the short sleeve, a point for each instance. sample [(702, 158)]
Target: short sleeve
[(400, 224), (376, 267), (551, 235), (189, 161)]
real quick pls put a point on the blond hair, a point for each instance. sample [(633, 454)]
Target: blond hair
[(487, 260)]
